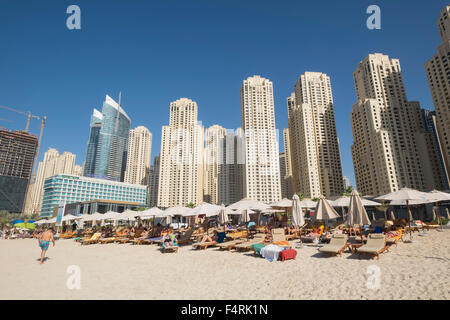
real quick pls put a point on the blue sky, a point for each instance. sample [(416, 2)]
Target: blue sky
[(158, 51)]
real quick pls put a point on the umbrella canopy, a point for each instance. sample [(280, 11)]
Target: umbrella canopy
[(178, 211), (405, 194), (249, 204), (93, 217), (308, 203), (223, 216), (152, 212), (356, 212), (410, 202), (207, 209), (285, 203), (436, 196), (297, 213), (344, 201), (270, 211), (324, 211), (70, 217), (52, 220), (110, 215)]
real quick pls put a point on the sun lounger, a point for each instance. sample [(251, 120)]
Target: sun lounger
[(204, 245), (279, 238), (259, 238), (107, 240), (173, 248), (94, 239), (186, 237), (376, 244), (230, 244), (390, 240), (337, 245)]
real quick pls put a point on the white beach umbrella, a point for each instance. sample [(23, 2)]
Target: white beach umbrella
[(42, 221), (110, 215), (152, 212), (437, 196), (308, 203), (284, 203), (297, 213), (177, 211), (223, 216), (94, 217), (357, 214), (407, 195), (245, 204), (52, 220), (70, 217), (207, 209), (245, 216), (344, 201), (324, 211)]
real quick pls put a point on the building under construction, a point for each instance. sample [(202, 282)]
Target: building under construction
[(17, 155)]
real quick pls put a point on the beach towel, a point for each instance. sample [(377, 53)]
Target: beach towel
[(257, 247), (282, 243), (288, 254), (271, 252)]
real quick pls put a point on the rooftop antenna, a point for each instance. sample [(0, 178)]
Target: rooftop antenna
[(117, 116)]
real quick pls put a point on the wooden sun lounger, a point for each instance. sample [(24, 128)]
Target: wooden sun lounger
[(93, 239), (170, 249), (230, 244), (107, 240), (376, 244), (204, 245), (259, 238)]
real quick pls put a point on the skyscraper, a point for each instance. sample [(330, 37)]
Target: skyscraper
[(386, 129), (314, 146), (287, 190), (214, 139), (231, 170), (108, 142), (438, 73), (153, 183), (262, 169), (17, 155), (139, 156), (181, 162), (52, 164)]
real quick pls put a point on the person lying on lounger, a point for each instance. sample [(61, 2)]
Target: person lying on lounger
[(170, 240), (212, 238)]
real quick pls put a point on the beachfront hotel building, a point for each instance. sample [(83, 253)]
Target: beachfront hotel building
[(388, 134), (52, 164), (181, 157), (138, 156), (17, 156), (74, 189), (108, 142), (314, 146), (262, 168), (287, 188), (438, 74)]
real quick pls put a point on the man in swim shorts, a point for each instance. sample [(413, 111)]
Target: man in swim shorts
[(44, 241)]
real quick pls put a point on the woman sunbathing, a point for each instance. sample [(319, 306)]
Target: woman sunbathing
[(212, 238)]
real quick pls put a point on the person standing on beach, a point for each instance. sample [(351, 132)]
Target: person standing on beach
[(44, 241)]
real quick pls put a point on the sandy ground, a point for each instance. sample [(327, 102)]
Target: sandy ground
[(419, 270)]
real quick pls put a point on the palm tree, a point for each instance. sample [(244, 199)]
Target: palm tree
[(190, 205), (300, 195)]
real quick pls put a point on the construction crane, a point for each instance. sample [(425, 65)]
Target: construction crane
[(29, 116)]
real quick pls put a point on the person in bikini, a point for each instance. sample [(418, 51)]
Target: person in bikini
[(44, 241)]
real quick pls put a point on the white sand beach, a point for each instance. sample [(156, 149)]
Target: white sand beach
[(419, 270)]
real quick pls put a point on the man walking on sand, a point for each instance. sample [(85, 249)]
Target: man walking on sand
[(44, 241)]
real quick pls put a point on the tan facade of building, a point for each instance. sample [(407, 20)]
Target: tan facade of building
[(138, 156), (438, 74), (262, 169), (52, 164), (181, 158), (388, 132), (214, 139), (314, 147)]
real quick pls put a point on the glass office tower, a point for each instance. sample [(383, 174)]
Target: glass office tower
[(108, 142)]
